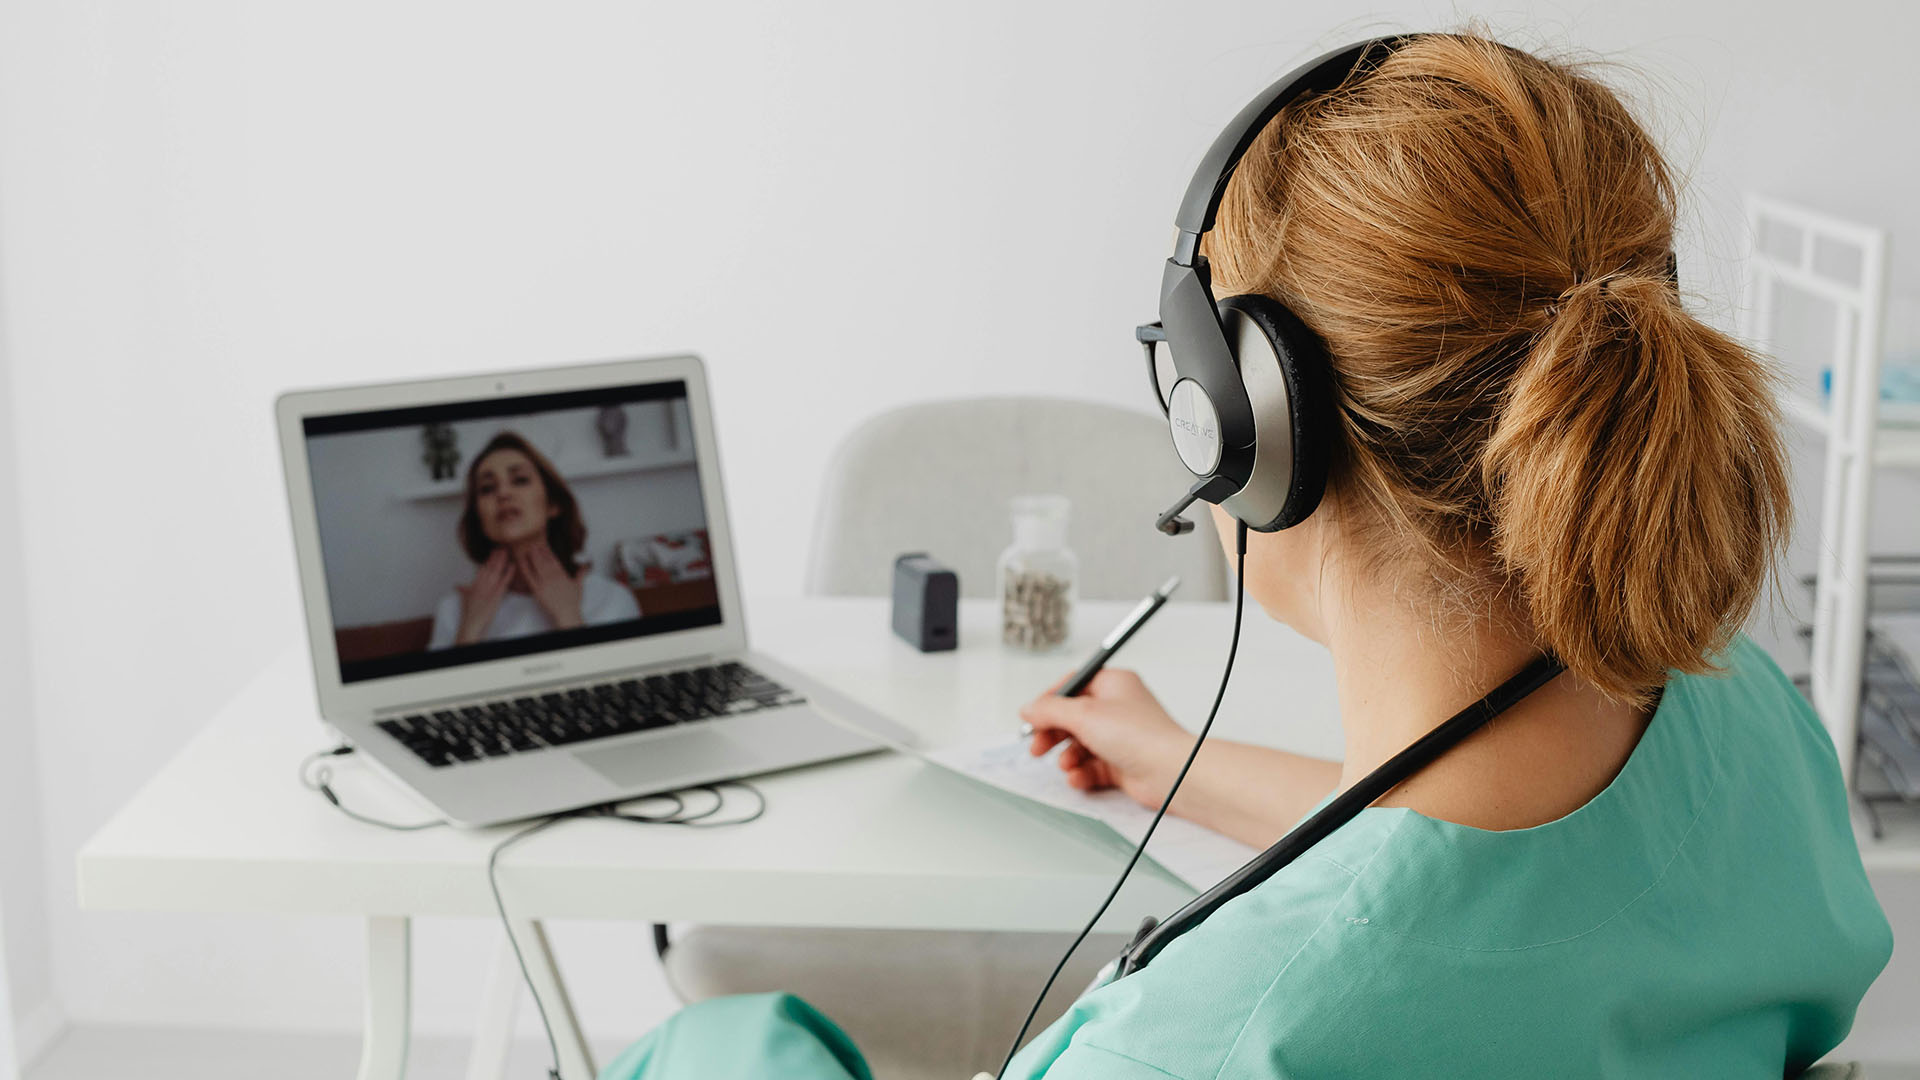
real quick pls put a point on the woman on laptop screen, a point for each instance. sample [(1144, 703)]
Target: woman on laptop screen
[(522, 529)]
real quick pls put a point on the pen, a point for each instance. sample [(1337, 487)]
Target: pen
[(1111, 644)]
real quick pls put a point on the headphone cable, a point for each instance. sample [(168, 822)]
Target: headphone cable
[(320, 780), (499, 905), (1239, 601)]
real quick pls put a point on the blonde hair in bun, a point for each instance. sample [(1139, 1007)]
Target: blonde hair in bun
[(1481, 237)]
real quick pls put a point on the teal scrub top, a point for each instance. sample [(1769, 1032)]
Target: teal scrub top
[(1706, 915)]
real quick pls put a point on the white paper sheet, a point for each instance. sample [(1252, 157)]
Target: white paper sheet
[(1193, 853)]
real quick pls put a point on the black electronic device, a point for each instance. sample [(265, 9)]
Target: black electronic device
[(926, 603)]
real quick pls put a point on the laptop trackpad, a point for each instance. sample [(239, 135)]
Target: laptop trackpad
[(636, 766), (739, 746)]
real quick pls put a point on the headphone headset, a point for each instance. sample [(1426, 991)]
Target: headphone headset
[(1246, 387)]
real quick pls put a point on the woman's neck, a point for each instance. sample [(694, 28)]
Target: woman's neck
[(518, 582), (1399, 676)]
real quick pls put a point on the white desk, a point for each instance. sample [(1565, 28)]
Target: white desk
[(882, 841)]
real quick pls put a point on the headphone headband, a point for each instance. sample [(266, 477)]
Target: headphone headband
[(1209, 182)]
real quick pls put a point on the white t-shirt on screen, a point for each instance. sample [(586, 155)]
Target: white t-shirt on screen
[(602, 600)]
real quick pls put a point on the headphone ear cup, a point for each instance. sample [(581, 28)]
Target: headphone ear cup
[(1289, 381)]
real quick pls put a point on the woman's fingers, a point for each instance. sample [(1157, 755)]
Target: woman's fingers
[(1074, 755), (1046, 737), (1083, 768), (1091, 777), (535, 568), (1110, 681), (1082, 764), (1053, 711), (536, 558), (545, 563)]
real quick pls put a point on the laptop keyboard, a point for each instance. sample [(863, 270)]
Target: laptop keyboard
[(498, 728)]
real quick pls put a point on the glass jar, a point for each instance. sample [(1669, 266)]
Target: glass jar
[(1038, 575)]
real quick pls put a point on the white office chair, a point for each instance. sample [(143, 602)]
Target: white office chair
[(938, 478)]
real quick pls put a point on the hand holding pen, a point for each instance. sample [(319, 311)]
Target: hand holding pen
[(1120, 735), (1076, 684)]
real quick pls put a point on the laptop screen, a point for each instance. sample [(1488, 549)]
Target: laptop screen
[(482, 530)]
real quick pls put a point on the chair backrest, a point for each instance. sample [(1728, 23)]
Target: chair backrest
[(939, 477)]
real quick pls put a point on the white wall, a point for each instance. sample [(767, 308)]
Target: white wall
[(9, 1061), (843, 206), (29, 1015)]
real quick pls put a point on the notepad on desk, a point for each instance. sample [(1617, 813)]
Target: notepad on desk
[(1193, 853)]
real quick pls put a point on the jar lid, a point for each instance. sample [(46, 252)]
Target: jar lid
[(1040, 520)]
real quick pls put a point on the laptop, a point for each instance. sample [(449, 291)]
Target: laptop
[(521, 593)]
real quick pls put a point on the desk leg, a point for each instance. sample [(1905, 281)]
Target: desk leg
[(493, 1038), (383, 1047), (576, 1062)]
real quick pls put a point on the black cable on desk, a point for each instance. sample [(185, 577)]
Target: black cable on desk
[(612, 810), (499, 905), (320, 778), (661, 941), (696, 821)]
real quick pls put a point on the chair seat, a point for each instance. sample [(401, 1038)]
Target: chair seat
[(921, 1005)]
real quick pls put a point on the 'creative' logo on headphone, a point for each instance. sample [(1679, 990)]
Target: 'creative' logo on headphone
[(1195, 427), (1192, 428)]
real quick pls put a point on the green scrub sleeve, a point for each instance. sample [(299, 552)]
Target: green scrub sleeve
[(743, 1037)]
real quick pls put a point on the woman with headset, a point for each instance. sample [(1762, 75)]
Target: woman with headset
[(1634, 858)]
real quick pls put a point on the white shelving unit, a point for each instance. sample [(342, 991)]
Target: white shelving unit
[(1843, 265), (573, 471), (1894, 445)]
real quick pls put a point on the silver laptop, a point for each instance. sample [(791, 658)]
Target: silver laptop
[(521, 592)]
